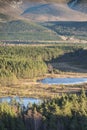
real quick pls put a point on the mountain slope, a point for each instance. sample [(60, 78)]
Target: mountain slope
[(69, 29), (80, 5), (21, 19), (45, 10), (53, 12), (21, 30)]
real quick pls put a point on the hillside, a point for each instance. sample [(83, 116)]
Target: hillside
[(21, 19), (80, 5), (21, 30), (69, 30), (45, 10), (53, 12)]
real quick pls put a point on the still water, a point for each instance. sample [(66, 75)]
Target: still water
[(65, 81), (23, 101)]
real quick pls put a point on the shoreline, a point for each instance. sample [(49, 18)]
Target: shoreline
[(30, 88)]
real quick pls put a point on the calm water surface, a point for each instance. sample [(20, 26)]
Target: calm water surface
[(25, 101), (65, 81)]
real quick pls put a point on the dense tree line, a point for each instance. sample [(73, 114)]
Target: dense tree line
[(68, 112), (28, 61), (10, 117)]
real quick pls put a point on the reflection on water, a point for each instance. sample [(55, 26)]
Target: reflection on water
[(65, 81), (23, 101)]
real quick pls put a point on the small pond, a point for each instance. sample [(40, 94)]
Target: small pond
[(23, 101), (66, 81)]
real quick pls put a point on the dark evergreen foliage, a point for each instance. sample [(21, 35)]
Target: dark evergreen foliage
[(68, 112)]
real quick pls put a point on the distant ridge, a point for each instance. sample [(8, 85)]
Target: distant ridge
[(43, 20), (80, 5), (44, 10)]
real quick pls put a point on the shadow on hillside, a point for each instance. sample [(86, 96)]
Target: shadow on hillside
[(75, 61), (68, 28)]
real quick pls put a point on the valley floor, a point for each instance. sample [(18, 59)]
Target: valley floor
[(68, 63), (32, 88)]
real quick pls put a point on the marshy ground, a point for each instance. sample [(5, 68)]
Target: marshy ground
[(32, 88)]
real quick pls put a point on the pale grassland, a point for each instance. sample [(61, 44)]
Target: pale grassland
[(31, 88)]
